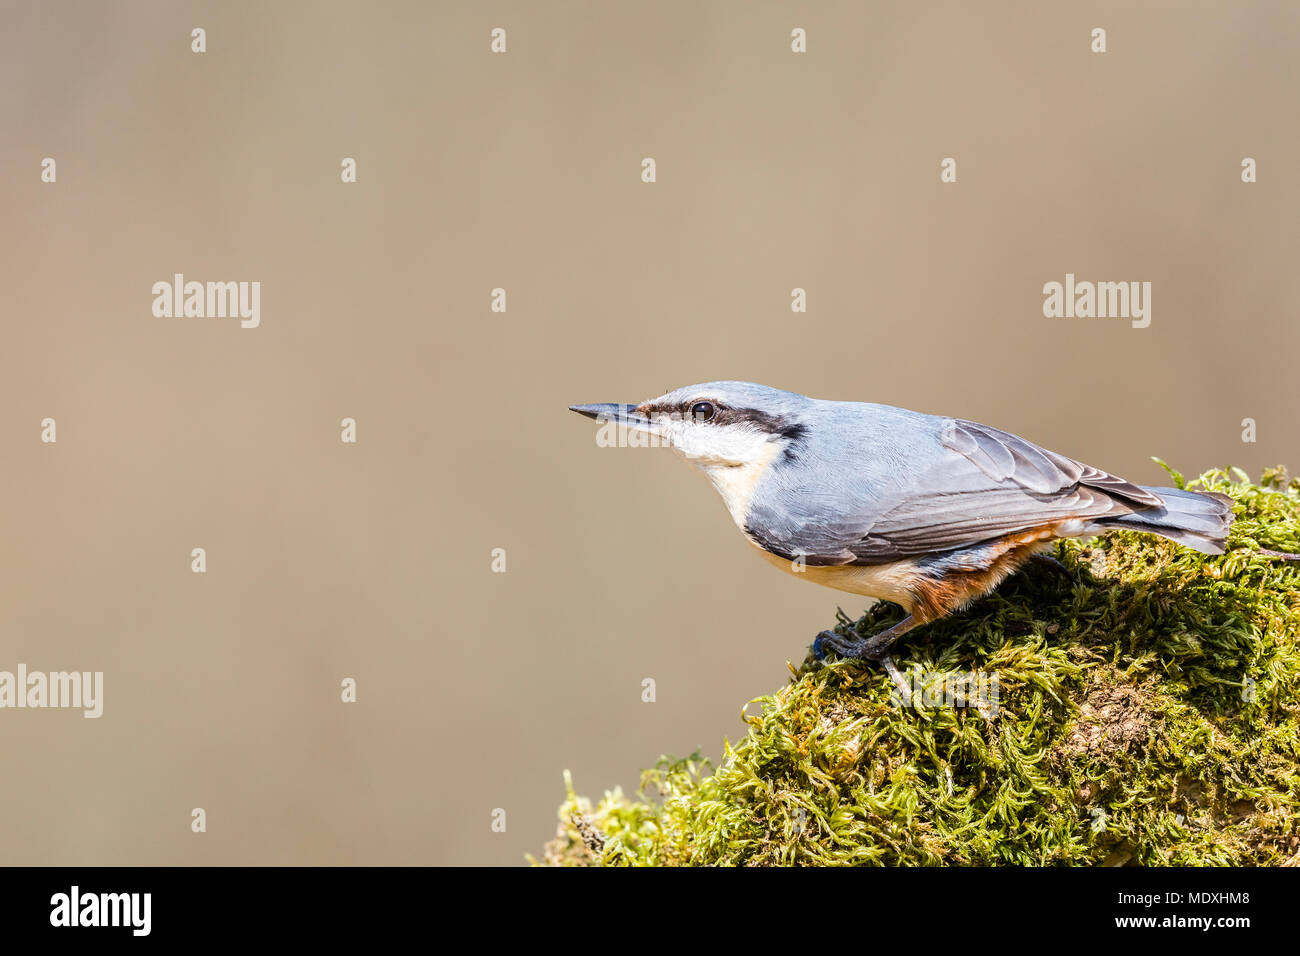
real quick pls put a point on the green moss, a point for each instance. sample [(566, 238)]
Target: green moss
[(1147, 714)]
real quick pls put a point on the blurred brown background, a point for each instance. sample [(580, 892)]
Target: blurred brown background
[(522, 171)]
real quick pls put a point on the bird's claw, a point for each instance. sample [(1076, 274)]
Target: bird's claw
[(845, 647), (1048, 561), (859, 648)]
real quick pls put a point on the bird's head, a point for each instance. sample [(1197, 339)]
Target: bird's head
[(717, 425)]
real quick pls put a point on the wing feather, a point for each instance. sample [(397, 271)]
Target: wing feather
[(982, 484), (1018, 486)]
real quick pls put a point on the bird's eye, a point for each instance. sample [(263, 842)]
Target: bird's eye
[(702, 411)]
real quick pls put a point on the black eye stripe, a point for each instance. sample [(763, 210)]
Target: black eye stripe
[(724, 414)]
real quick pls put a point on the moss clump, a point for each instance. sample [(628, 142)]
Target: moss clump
[(1147, 713)]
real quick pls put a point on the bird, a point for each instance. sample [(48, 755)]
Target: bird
[(924, 511)]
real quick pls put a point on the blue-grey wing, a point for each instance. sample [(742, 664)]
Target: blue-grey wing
[(973, 484), (1003, 456)]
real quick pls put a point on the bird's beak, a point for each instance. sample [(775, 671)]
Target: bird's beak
[(625, 416)]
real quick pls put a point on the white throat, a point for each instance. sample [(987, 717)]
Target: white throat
[(736, 483)]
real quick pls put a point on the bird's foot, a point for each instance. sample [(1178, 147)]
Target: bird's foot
[(874, 649), (1047, 561), (852, 646)]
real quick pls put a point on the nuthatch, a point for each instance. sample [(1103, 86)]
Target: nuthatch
[(927, 512)]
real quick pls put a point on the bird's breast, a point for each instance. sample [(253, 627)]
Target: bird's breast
[(736, 483), (893, 581)]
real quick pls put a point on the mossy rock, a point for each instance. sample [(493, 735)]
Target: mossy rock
[(1147, 714)]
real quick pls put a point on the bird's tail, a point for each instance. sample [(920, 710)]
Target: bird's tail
[(1195, 519)]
